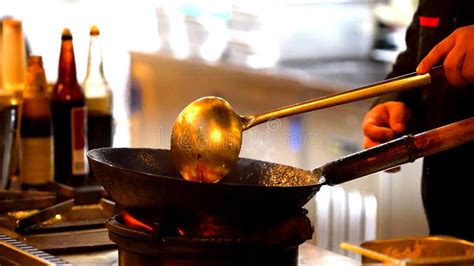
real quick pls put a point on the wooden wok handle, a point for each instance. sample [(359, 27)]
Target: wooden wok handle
[(399, 151)]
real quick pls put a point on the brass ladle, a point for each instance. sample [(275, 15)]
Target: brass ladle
[(207, 135)]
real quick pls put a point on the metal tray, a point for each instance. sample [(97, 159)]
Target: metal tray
[(434, 250)]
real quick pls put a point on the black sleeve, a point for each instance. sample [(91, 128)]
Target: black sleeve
[(406, 61)]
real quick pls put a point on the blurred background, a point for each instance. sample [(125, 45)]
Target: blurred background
[(161, 55)]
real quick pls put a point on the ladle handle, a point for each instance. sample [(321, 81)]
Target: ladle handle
[(388, 86), (399, 151)]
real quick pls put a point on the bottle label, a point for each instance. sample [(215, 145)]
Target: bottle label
[(79, 141), (36, 166)]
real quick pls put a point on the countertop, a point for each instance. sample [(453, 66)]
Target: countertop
[(308, 255), (315, 256)]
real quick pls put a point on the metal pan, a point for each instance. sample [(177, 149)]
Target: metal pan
[(145, 179)]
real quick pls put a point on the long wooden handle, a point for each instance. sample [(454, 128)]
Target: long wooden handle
[(397, 152)]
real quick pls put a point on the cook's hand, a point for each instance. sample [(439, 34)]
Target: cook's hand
[(383, 122), (457, 50)]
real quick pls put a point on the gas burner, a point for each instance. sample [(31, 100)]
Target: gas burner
[(59, 208), (42, 218), (265, 243)]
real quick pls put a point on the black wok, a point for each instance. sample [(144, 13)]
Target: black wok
[(145, 179)]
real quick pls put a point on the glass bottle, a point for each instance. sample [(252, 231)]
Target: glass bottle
[(13, 56), (36, 132), (1, 55), (98, 96), (69, 114), (13, 81)]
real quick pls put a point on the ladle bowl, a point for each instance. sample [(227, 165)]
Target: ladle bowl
[(206, 139)]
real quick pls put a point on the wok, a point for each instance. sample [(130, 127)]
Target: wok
[(145, 179)]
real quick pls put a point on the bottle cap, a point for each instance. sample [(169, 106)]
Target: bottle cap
[(94, 30), (66, 35)]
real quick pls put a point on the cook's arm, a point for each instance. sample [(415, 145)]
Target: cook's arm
[(384, 121)]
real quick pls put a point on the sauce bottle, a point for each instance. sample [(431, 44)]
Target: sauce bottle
[(98, 96), (36, 132), (69, 114)]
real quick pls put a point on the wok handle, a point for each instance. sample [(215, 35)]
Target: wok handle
[(396, 152)]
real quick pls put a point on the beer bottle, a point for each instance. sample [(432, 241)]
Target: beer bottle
[(98, 96), (36, 132), (69, 114)]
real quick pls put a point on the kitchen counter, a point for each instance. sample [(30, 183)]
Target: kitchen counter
[(314, 256), (308, 255)]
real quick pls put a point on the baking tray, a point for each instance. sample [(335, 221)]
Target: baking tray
[(433, 250)]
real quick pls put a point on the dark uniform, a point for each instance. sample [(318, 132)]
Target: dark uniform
[(448, 177)]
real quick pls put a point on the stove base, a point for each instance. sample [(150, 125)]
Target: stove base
[(276, 246)]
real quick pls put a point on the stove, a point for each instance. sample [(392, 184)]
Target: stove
[(64, 226), (57, 219), (62, 220), (134, 238), (202, 239)]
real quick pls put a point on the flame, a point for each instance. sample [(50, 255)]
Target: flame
[(131, 221), (207, 226), (181, 231)]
